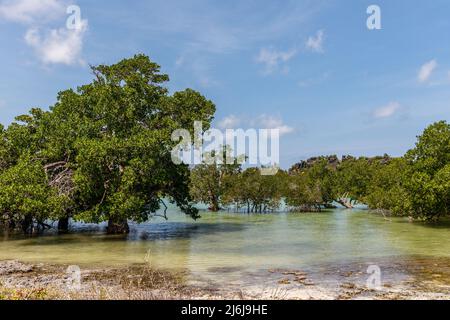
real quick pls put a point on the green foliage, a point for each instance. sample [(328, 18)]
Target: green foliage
[(311, 187), (4, 149), (122, 150), (106, 146), (354, 177), (386, 191), (432, 150), (26, 198), (427, 183), (302, 195), (254, 191), (211, 179), (418, 184)]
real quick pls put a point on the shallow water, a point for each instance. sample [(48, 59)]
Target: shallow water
[(229, 246)]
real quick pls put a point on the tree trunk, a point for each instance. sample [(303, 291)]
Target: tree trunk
[(214, 205), (63, 225), (27, 224), (117, 226), (10, 225)]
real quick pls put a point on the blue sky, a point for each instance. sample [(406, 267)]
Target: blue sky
[(311, 68)]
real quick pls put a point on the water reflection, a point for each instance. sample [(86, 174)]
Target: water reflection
[(234, 245)]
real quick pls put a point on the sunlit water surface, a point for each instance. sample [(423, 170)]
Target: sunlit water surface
[(229, 246)]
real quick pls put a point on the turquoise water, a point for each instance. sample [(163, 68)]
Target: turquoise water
[(233, 244)]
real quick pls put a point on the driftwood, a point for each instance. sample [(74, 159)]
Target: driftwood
[(345, 201)]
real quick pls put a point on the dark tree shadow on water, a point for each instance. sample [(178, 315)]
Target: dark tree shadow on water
[(142, 232), (444, 223), (181, 230)]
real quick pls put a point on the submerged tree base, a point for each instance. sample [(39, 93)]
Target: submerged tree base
[(118, 227), (63, 225)]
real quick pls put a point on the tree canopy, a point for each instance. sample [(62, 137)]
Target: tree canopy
[(106, 146)]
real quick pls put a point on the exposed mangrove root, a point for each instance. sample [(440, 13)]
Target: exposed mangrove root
[(345, 201), (118, 226)]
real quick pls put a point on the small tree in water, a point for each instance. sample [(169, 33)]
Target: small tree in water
[(210, 180)]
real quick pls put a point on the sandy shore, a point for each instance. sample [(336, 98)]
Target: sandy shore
[(46, 281)]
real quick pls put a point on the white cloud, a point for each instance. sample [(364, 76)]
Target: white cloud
[(207, 81), (179, 61), (199, 67), (264, 121), (273, 59), (52, 46), (31, 11), (315, 43), (229, 122), (426, 70), (201, 30), (58, 45), (314, 80), (273, 122), (211, 28), (386, 111)]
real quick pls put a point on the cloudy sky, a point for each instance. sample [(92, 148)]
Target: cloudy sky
[(310, 68)]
